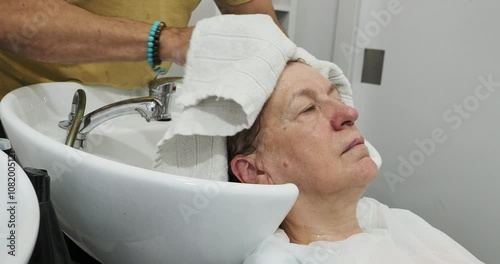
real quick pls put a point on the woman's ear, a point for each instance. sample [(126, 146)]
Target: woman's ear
[(245, 168)]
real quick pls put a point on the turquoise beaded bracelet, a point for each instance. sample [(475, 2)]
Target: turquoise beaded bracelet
[(153, 54)]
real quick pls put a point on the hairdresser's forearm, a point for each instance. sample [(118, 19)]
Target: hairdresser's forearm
[(73, 35)]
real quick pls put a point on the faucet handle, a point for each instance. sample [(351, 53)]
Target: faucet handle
[(159, 83), (162, 89)]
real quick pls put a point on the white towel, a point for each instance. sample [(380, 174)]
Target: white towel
[(193, 156), (233, 65)]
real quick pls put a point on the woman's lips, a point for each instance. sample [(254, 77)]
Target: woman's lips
[(355, 142)]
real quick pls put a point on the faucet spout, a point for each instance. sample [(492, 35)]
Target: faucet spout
[(148, 107), (153, 107)]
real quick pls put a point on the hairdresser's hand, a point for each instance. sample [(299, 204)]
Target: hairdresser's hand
[(174, 44)]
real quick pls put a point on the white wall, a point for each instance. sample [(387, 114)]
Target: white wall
[(438, 54), (315, 28)]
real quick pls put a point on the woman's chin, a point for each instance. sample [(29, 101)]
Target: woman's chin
[(367, 170)]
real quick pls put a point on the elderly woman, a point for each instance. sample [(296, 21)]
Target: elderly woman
[(307, 136)]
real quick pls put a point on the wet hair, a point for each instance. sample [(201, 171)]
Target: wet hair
[(244, 142)]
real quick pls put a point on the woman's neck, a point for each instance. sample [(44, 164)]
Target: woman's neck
[(310, 221)]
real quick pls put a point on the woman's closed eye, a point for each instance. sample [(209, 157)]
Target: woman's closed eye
[(309, 109)]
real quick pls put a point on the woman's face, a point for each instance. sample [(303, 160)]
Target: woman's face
[(309, 137)]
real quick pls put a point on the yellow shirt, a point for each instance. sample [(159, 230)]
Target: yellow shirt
[(17, 71)]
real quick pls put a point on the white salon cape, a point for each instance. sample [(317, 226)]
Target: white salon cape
[(389, 236)]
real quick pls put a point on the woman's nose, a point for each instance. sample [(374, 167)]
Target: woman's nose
[(343, 116)]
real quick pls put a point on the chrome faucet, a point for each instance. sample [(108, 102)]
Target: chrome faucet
[(152, 107)]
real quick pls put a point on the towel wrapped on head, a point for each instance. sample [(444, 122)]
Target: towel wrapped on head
[(233, 64)]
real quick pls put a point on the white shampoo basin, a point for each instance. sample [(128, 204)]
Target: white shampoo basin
[(115, 208)]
